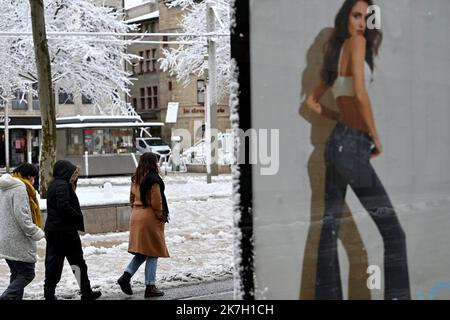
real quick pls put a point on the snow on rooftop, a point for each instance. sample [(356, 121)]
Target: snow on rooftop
[(96, 117), (148, 16)]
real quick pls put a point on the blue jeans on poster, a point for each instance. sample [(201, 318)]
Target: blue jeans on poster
[(347, 159), (150, 267)]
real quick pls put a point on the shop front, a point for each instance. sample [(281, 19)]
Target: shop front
[(23, 144), (99, 145), (99, 141)]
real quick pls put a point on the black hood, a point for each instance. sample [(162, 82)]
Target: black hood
[(64, 170)]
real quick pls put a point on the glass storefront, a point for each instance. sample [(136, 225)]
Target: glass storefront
[(35, 147), (74, 142), (99, 141), (2, 149), (18, 147)]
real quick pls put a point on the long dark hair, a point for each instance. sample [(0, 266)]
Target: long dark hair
[(373, 37), (148, 163), (27, 170)]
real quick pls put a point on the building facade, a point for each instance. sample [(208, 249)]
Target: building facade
[(25, 119), (144, 72), (24, 116), (154, 89), (150, 94)]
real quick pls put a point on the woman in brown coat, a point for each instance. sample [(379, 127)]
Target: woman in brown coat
[(148, 216)]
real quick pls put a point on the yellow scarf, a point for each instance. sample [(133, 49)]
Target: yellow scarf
[(34, 203)]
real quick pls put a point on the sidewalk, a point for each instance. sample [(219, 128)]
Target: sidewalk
[(216, 290)]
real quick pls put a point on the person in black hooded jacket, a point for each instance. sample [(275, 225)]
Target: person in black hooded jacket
[(64, 220)]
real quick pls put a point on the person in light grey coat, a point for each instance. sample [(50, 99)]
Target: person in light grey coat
[(18, 235)]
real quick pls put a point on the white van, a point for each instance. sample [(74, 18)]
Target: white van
[(153, 144), (197, 153)]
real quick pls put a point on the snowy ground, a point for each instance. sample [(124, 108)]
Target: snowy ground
[(199, 238)]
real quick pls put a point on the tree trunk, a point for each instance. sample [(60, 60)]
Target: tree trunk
[(46, 99)]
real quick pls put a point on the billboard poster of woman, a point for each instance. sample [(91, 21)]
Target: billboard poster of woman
[(358, 93)]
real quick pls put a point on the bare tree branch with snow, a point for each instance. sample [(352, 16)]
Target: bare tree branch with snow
[(186, 60), (88, 65)]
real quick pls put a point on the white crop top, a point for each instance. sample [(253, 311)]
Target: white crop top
[(343, 86)]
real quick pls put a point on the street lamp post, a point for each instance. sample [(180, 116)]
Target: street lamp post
[(6, 138), (211, 100)]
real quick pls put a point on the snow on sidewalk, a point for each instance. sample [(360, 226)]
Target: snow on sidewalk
[(182, 187), (199, 238)]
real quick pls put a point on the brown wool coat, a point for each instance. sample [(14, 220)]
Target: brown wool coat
[(146, 224)]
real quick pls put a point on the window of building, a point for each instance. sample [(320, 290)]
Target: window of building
[(149, 27), (155, 97), (148, 67), (18, 146), (165, 38), (149, 98), (122, 140), (97, 141), (19, 101), (75, 142), (107, 141), (170, 85), (134, 103), (144, 27), (142, 90), (201, 92), (35, 101), (141, 62), (154, 59), (65, 98), (85, 100)]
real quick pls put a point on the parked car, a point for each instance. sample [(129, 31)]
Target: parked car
[(153, 144)]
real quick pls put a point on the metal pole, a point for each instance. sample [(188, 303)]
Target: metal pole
[(207, 132), (6, 138), (29, 146), (212, 90), (134, 159), (86, 163)]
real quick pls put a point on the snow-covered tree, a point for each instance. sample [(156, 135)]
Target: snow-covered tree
[(46, 97), (188, 59), (88, 65)]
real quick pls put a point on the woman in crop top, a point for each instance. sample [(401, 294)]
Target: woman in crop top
[(347, 70)]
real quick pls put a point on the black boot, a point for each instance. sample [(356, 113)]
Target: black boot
[(152, 291), (49, 294), (124, 283), (90, 295)]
